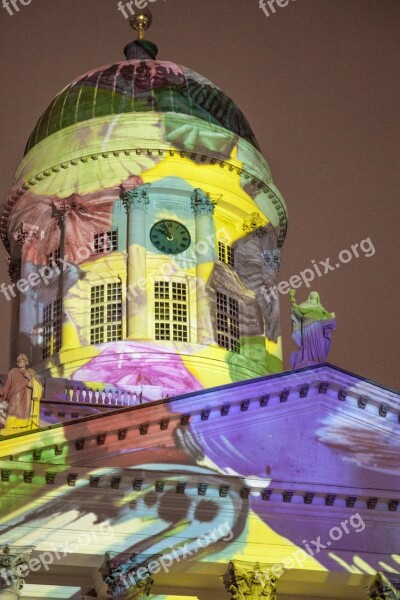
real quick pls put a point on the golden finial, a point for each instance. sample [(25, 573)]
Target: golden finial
[(141, 21)]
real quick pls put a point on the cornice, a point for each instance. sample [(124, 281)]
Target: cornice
[(233, 404), (249, 177), (268, 495)]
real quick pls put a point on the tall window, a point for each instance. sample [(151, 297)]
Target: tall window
[(106, 241), (228, 332), (171, 313), (226, 254), (106, 313), (52, 327), (54, 256)]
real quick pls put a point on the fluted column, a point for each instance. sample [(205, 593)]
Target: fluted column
[(13, 568), (385, 586), (136, 201), (203, 209), (251, 581)]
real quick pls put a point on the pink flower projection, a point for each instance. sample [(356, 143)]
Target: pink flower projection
[(130, 364)]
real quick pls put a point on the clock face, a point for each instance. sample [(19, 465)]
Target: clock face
[(170, 237)]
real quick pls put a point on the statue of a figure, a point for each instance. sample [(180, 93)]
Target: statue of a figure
[(382, 589), (312, 330), (19, 398)]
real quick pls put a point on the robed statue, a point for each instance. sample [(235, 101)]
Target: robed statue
[(383, 589), (20, 398), (312, 330)]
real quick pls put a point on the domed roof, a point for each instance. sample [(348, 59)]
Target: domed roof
[(141, 86)]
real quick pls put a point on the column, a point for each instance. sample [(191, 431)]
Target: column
[(203, 209), (385, 585), (62, 211), (14, 271), (136, 202), (13, 567), (269, 294), (252, 581), (27, 239)]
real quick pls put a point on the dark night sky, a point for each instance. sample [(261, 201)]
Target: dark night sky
[(319, 83)]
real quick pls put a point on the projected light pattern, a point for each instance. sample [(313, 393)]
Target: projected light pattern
[(148, 228), (141, 86), (153, 520), (85, 226)]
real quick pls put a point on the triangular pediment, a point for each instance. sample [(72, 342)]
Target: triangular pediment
[(312, 447)]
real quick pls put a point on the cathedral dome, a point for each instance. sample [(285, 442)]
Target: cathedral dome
[(137, 86)]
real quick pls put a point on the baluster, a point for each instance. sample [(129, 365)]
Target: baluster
[(74, 397), (68, 393)]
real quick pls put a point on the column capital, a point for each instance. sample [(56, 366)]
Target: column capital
[(386, 586), (251, 581), (254, 222), (27, 234), (14, 269), (63, 207), (13, 559), (201, 203), (137, 197), (127, 579), (272, 260)]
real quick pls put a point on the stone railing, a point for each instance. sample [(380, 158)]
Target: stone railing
[(60, 390), (64, 390)]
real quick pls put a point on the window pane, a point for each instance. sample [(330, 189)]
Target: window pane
[(221, 251), (226, 254), (161, 290), (180, 333), (52, 328), (162, 311), (228, 330), (105, 241), (171, 315), (162, 331), (106, 313)]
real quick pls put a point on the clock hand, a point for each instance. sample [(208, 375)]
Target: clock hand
[(164, 230), (168, 233)]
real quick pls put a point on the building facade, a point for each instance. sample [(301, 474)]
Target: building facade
[(174, 459)]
